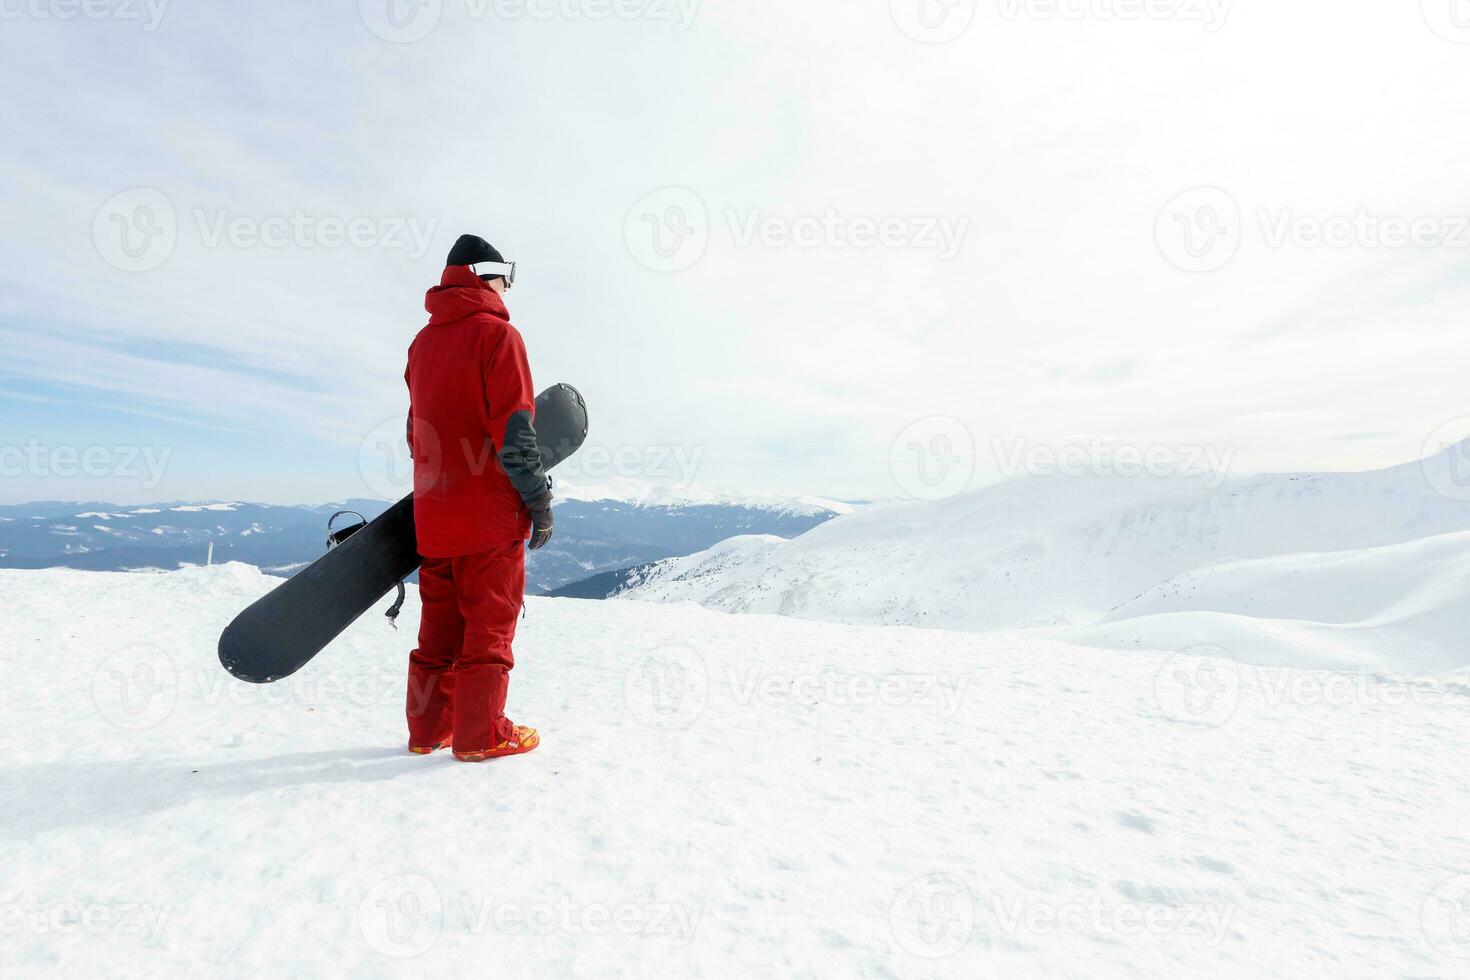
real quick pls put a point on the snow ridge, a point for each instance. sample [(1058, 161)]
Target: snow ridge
[(638, 493), (1176, 562)]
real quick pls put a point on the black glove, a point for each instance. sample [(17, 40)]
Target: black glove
[(540, 508)]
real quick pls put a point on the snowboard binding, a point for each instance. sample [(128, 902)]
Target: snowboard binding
[(336, 537)]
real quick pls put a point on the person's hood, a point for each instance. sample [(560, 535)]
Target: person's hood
[(461, 293)]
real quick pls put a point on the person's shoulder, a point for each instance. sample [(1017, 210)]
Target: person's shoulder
[(497, 329), (417, 340)]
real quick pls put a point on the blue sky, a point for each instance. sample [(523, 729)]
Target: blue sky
[(1030, 172)]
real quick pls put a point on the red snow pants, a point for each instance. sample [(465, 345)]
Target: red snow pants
[(459, 675)]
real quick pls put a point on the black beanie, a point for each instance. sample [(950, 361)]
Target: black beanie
[(471, 249)]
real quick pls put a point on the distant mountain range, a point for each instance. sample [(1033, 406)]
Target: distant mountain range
[(598, 530), (1338, 570)]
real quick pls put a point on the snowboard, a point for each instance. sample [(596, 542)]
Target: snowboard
[(278, 634)]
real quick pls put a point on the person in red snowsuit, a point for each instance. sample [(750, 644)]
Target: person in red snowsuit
[(479, 493)]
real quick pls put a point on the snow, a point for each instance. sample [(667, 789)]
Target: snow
[(1326, 570), (287, 568), (639, 493), (1404, 607), (196, 508), (720, 795), (699, 577)]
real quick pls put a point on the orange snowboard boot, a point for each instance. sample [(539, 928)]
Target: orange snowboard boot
[(427, 749), (524, 740)]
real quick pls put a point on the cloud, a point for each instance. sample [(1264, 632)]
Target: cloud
[(1054, 144)]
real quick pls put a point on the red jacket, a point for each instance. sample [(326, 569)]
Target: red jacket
[(471, 406)]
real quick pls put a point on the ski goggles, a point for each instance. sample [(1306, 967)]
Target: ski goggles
[(489, 270)]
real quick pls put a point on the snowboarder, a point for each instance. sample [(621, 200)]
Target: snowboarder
[(479, 493)]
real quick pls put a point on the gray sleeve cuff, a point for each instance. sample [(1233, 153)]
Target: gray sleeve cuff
[(520, 457)]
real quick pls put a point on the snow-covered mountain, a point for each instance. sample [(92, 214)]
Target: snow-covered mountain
[(598, 529), (107, 537), (601, 530), (640, 493), (1405, 606), (1119, 561)]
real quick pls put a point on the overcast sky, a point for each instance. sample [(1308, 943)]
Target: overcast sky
[(779, 246)]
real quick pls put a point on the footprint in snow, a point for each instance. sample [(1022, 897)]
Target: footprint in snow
[(1137, 821)]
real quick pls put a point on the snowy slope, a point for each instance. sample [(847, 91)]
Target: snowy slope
[(1068, 552), (701, 576), (1403, 607), (716, 795)]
